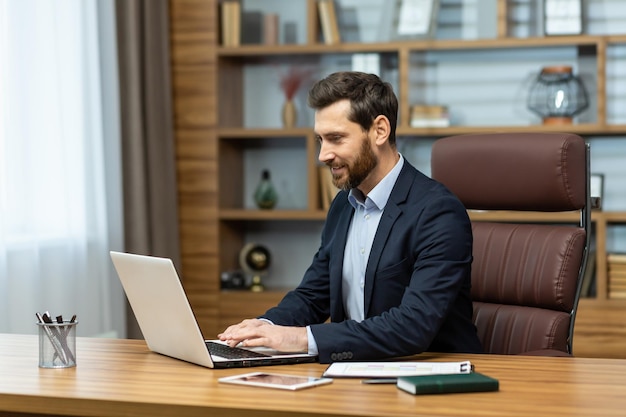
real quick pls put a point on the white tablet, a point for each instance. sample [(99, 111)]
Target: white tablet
[(280, 381)]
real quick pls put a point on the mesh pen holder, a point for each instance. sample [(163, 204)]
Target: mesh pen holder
[(57, 344)]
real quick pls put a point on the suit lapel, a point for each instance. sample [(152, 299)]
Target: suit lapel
[(387, 220), (390, 214)]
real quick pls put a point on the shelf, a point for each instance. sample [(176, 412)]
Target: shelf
[(274, 215), (613, 216), (494, 216), (581, 129), (262, 133), (428, 44)]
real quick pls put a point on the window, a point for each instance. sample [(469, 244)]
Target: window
[(58, 184)]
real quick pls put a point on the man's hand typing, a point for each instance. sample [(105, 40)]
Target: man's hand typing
[(255, 332)]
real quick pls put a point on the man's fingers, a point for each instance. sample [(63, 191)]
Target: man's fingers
[(255, 342), (253, 333), (240, 334), (245, 325)]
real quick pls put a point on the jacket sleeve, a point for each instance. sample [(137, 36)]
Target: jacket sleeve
[(310, 302)]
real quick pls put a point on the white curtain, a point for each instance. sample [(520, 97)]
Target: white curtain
[(60, 191)]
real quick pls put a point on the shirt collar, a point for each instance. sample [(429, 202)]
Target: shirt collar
[(379, 195)]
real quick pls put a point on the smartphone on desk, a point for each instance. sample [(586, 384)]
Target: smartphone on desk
[(279, 381)]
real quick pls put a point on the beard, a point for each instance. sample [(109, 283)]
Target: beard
[(364, 163)]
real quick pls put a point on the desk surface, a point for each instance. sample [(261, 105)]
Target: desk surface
[(123, 378)]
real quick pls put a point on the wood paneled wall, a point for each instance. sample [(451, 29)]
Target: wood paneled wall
[(193, 28)]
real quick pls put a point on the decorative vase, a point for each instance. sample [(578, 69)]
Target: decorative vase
[(265, 195), (289, 114)]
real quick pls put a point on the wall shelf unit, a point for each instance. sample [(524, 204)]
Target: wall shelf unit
[(227, 103)]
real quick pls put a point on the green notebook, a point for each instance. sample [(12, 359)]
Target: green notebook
[(441, 384)]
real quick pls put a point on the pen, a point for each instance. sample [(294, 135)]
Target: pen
[(379, 381), (53, 340), (62, 333), (61, 336), (66, 333), (69, 328), (58, 334)]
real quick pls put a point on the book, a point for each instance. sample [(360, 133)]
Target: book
[(231, 23), (225, 23), (394, 369), (449, 383), (252, 27), (290, 33), (328, 21), (270, 29)]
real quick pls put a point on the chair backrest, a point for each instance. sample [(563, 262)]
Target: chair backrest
[(525, 276)]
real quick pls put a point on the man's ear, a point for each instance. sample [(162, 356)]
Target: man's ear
[(382, 129)]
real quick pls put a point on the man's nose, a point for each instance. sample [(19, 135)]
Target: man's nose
[(325, 153)]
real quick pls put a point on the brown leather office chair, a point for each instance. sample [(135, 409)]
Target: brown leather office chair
[(525, 276)]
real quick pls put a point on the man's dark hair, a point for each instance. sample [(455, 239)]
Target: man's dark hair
[(369, 97)]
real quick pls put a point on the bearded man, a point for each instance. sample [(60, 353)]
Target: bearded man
[(392, 272)]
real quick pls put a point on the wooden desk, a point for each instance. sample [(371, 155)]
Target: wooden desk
[(122, 378)]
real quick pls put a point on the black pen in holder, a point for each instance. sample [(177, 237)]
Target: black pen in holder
[(57, 342)]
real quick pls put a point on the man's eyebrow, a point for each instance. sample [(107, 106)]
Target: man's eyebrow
[(330, 134)]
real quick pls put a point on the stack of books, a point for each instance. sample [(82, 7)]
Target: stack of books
[(423, 115), (617, 275)]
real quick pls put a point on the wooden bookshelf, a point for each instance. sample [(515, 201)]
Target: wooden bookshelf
[(212, 139)]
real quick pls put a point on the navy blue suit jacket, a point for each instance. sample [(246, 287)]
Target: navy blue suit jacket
[(417, 280)]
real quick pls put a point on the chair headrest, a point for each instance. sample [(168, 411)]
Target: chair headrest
[(513, 171)]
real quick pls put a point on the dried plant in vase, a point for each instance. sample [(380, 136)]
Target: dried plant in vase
[(290, 81)]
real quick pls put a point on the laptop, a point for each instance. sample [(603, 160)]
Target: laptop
[(168, 324)]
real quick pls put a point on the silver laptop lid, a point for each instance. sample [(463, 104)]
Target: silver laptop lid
[(161, 307)]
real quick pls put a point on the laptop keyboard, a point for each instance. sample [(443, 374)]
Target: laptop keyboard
[(228, 352)]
